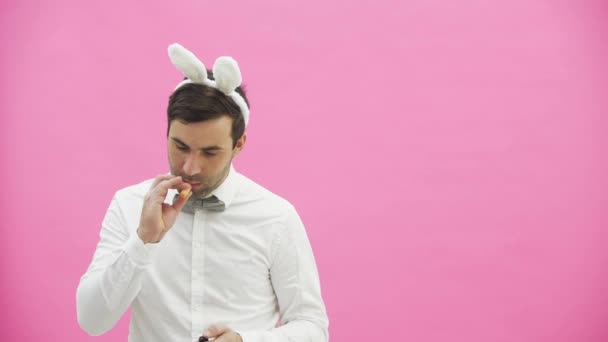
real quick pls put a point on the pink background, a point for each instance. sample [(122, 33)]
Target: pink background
[(447, 157)]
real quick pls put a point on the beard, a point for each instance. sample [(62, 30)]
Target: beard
[(207, 183)]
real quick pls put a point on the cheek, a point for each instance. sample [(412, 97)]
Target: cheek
[(212, 166), (173, 157), (217, 164), (177, 160)]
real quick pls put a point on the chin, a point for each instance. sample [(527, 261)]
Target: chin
[(201, 192)]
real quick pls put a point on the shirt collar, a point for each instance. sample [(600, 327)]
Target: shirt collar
[(227, 190)]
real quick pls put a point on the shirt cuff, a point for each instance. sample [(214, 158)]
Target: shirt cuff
[(139, 252)]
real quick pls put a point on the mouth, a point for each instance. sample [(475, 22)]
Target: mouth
[(193, 184)]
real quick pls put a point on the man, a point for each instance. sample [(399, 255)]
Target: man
[(203, 250)]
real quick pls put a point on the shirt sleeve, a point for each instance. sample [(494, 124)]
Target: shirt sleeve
[(296, 283), (114, 276)]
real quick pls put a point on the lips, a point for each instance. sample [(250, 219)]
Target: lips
[(193, 183)]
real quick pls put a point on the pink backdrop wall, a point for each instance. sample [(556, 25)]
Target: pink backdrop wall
[(447, 157)]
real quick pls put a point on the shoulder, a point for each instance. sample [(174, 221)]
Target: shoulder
[(253, 193)]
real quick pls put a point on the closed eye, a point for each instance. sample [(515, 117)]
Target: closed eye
[(186, 149), (209, 151)]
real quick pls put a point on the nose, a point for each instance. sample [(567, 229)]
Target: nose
[(191, 166)]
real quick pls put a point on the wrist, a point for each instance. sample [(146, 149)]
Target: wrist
[(146, 238)]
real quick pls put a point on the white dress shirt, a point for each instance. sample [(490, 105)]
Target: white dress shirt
[(250, 267)]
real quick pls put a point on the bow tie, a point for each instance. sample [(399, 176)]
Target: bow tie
[(210, 203)]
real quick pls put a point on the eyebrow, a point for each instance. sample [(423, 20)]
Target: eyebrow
[(204, 149)]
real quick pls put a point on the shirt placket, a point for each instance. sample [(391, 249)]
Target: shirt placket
[(198, 273)]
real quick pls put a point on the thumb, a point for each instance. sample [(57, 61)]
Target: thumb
[(215, 331), (181, 200)]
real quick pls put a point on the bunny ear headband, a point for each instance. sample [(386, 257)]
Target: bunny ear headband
[(225, 71)]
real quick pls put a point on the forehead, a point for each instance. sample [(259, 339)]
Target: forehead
[(204, 133)]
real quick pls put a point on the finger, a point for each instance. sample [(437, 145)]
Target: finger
[(181, 200), (215, 330), (167, 184), (159, 192), (226, 337), (183, 186), (159, 179)]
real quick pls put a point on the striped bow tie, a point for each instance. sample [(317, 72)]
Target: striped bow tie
[(210, 203)]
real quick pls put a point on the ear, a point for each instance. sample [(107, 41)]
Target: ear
[(240, 144), (186, 62), (227, 74)]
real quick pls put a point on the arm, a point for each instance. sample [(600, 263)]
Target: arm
[(113, 278), (295, 280)]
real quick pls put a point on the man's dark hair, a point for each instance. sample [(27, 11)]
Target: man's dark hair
[(194, 102)]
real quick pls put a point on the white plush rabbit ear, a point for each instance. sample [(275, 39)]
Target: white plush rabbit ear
[(227, 74), (187, 63)]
